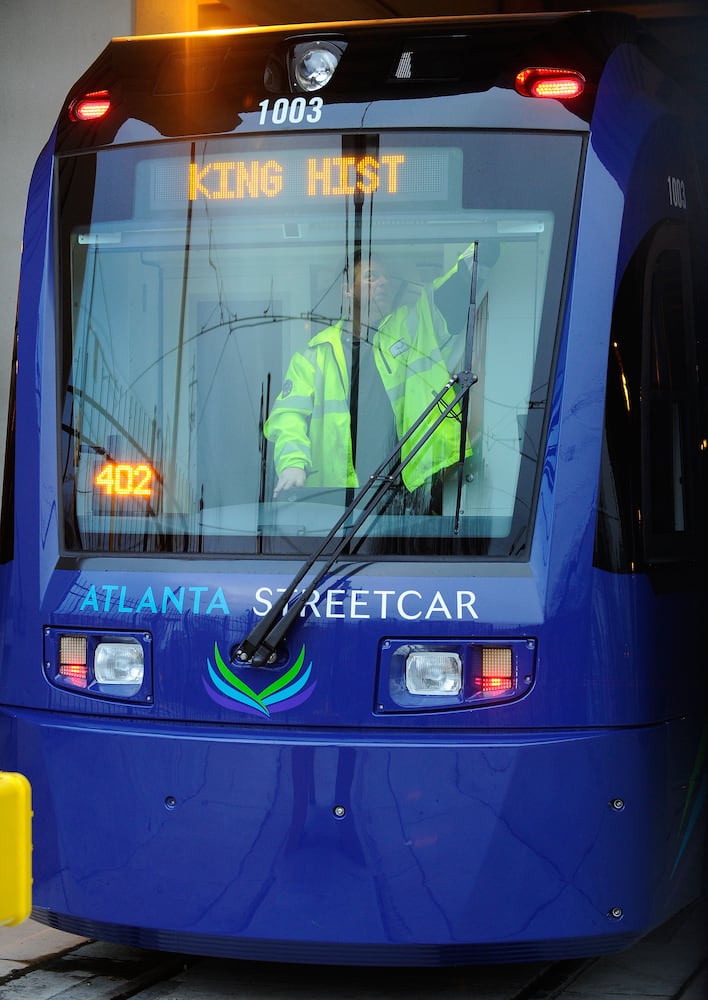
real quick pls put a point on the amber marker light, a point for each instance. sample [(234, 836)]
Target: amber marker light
[(547, 82)]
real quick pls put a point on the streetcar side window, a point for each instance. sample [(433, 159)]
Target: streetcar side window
[(647, 513), (668, 401)]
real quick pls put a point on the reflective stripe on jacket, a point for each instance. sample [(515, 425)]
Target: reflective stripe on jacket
[(310, 421), (413, 369)]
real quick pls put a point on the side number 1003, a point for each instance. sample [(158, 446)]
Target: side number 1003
[(677, 192)]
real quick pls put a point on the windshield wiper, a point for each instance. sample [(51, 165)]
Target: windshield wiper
[(260, 645), (464, 410)]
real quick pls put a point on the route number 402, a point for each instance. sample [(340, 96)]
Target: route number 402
[(677, 192), (293, 112), (125, 480)]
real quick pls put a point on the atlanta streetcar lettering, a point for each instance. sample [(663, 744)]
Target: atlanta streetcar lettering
[(409, 605)]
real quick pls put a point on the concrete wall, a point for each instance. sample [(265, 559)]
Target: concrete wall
[(45, 45)]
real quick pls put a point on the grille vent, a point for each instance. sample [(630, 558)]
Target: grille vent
[(431, 59)]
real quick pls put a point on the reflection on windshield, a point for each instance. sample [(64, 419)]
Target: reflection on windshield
[(242, 361)]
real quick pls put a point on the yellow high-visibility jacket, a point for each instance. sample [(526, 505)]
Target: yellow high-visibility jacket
[(310, 422)]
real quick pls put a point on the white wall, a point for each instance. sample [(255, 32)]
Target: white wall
[(45, 45)]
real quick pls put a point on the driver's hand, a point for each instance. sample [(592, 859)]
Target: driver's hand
[(289, 479)]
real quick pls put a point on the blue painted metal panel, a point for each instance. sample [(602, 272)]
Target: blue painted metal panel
[(236, 818), (318, 837)]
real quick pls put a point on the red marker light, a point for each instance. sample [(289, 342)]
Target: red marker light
[(497, 670), (544, 81), (90, 107), (72, 660)]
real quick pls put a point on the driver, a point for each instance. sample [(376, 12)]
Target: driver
[(396, 361)]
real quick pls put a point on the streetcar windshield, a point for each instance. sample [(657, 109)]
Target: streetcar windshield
[(255, 326)]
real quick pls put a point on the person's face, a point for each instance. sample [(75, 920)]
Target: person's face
[(376, 287)]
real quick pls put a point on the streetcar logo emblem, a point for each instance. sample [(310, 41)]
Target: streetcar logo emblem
[(229, 691)]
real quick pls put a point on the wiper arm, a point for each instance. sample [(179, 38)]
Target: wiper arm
[(464, 411), (260, 644)]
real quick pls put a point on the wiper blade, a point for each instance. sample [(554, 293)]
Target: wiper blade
[(261, 643)]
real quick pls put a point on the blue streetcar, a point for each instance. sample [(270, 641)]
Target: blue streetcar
[(353, 549)]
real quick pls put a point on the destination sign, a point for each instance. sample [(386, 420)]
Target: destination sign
[(301, 175), (327, 177)]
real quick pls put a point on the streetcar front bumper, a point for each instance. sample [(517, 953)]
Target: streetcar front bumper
[(448, 849)]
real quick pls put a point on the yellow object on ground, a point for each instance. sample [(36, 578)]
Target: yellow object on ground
[(15, 848)]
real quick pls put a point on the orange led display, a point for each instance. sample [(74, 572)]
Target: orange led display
[(326, 177), (336, 175), (230, 180), (123, 479)]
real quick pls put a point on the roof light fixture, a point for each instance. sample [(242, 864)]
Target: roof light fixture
[(549, 82), (91, 107), (313, 64)]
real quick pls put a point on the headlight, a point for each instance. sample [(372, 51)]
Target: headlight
[(433, 673), (119, 663)]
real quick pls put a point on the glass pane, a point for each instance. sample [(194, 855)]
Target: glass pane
[(667, 481), (253, 328), (667, 397), (668, 362)]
